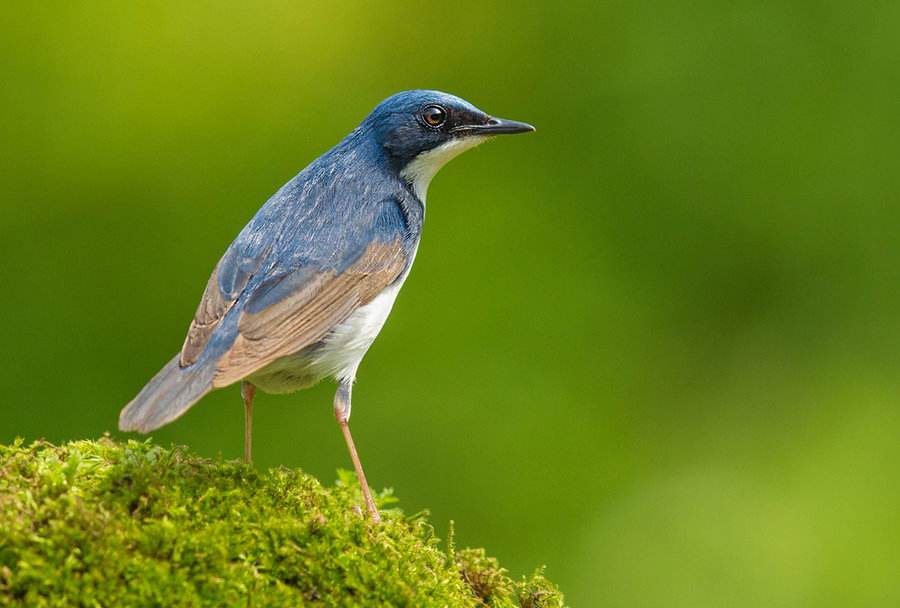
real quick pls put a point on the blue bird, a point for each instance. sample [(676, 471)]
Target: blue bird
[(304, 289)]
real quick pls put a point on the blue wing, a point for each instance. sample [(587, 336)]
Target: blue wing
[(285, 288), (314, 253)]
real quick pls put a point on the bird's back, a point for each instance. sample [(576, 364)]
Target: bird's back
[(325, 245), (321, 221)]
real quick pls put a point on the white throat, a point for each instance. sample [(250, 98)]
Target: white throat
[(422, 168)]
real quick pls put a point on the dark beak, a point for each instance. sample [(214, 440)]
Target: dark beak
[(499, 126)]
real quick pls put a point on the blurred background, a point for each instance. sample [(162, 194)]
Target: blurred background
[(653, 346)]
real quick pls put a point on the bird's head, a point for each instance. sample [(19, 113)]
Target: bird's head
[(420, 131)]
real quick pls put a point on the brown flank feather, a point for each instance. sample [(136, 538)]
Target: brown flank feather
[(306, 317)]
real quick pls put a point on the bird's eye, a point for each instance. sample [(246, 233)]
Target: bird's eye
[(434, 116)]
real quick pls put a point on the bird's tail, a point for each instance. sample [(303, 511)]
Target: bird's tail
[(167, 396)]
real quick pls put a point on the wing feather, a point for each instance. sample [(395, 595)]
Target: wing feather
[(306, 315), (213, 306), (234, 273)]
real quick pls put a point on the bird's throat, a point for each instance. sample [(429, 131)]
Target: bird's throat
[(425, 166)]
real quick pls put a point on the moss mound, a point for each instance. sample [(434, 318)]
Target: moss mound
[(101, 523)]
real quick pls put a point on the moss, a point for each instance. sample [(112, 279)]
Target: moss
[(101, 523), (490, 583)]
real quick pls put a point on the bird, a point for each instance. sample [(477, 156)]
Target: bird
[(304, 289)]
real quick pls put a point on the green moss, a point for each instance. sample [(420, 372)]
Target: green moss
[(101, 523)]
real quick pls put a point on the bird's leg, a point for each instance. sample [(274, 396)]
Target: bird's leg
[(342, 413), (248, 391)]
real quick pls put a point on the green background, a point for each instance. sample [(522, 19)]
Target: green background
[(653, 345)]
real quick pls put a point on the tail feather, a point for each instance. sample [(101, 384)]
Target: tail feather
[(167, 396)]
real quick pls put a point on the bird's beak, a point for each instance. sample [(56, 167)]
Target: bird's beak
[(498, 126)]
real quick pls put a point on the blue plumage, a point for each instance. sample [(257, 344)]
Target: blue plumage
[(305, 287)]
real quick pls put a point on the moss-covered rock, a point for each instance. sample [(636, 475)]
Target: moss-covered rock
[(101, 523)]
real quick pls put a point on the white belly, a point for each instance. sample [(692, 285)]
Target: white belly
[(348, 342), (337, 356)]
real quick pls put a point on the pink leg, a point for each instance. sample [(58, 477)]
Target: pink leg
[(248, 391), (342, 413)]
